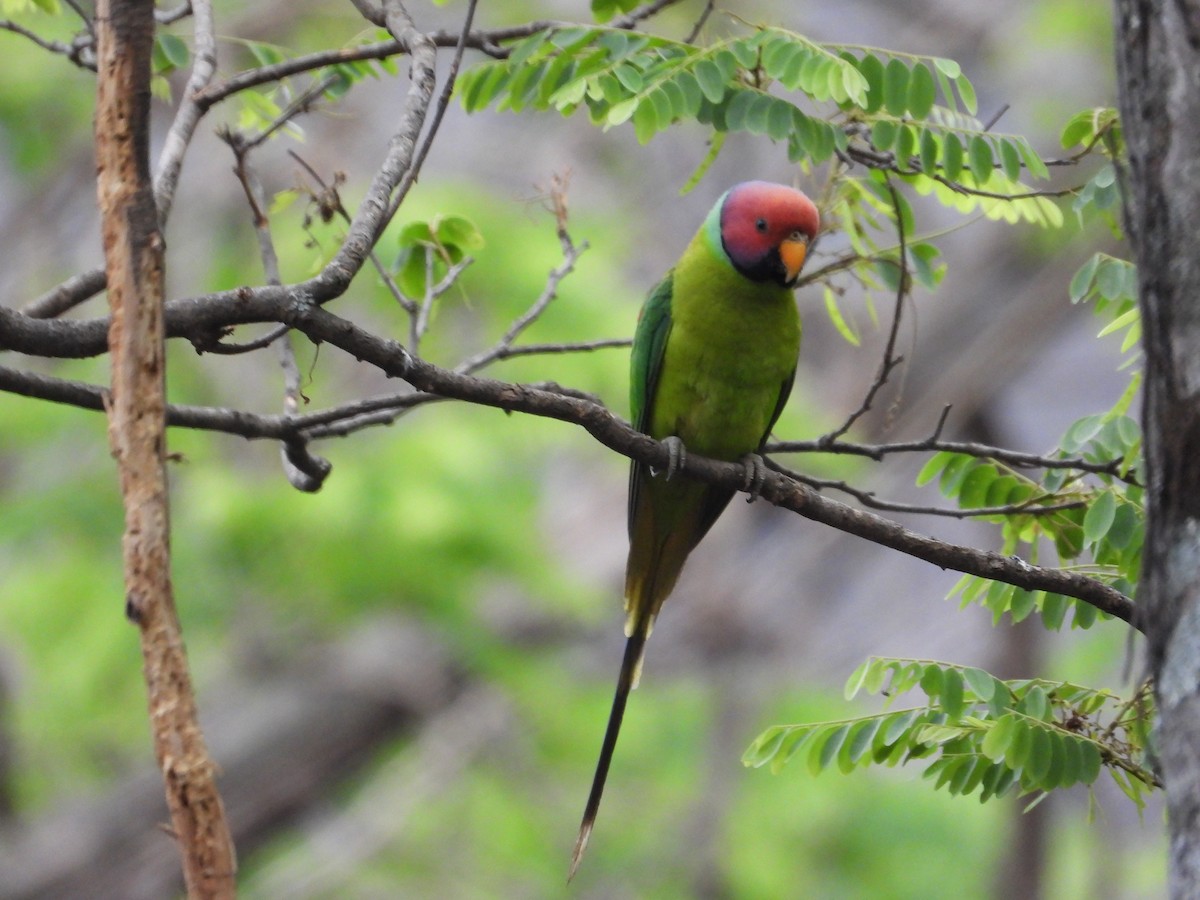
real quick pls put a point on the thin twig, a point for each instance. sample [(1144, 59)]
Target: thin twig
[(414, 170), (330, 199), (890, 360), (1113, 468), (1030, 507), (571, 254), (81, 53), (304, 470), (187, 117), (699, 26)]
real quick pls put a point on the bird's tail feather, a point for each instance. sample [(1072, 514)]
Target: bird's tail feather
[(631, 667)]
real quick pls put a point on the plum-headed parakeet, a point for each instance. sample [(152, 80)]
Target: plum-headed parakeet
[(712, 366)]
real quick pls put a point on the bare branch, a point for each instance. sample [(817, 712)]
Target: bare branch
[(890, 360), (187, 117), (322, 326), (703, 18), (571, 254), (133, 252), (1113, 468), (410, 177), (304, 471), (79, 51), (1030, 507)]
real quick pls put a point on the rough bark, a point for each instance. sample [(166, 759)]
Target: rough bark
[(133, 252), (1158, 60)]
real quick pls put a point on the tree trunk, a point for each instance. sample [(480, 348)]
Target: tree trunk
[(1158, 67), (133, 253)]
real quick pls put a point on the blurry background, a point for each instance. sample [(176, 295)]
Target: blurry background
[(405, 677)]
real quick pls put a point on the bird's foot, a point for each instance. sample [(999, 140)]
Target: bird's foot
[(754, 476), (676, 455)]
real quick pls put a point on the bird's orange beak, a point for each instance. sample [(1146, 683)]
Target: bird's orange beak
[(792, 252)]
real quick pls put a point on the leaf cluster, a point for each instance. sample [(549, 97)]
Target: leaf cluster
[(914, 113), (976, 732)]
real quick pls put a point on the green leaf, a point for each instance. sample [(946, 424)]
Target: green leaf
[(1078, 130), (779, 119), (174, 50), (1072, 756), (933, 467), (966, 93), (689, 87), (1053, 776), (1041, 757), (458, 231), (604, 10), (1081, 281), (1022, 604), (906, 146), (839, 322), (952, 157), (872, 70), (630, 77), (1084, 615), (952, 693), (1035, 703), (975, 486), (921, 91), (931, 680), (645, 120), (1033, 162), (883, 134), (857, 679), (895, 87), (999, 738), (1054, 610), (712, 82), (853, 86), (738, 109), (947, 67), (1089, 762), (621, 112), (981, 683), (1010, 160), (954, 473), (899, 724), (1100, 517), (1022, 741), (982, 163), (825, 750), (858, 743), (929, 152), (1124, 526)]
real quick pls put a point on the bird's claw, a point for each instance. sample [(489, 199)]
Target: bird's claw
[(754, 476), (676, 455)]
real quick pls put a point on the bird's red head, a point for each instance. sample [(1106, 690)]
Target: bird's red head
[(766, 230)]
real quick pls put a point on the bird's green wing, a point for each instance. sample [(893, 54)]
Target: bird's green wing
[(649, 345), (785, 391)]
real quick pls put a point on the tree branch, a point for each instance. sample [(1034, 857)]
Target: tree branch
[(285, 305), (133, 252)]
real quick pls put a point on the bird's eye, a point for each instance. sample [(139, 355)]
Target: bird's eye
[(798, 235), (761, 225)]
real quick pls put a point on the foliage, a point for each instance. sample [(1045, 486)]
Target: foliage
[(977, 733), (891, 134)]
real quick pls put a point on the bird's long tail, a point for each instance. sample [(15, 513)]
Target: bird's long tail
[(631, 665)]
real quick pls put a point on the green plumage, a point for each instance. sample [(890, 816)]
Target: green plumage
[(713, 361), (712, 365)]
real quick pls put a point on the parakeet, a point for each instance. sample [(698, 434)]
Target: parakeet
[(713, 360)]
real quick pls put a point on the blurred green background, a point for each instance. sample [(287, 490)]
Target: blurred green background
[(406, 675)]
